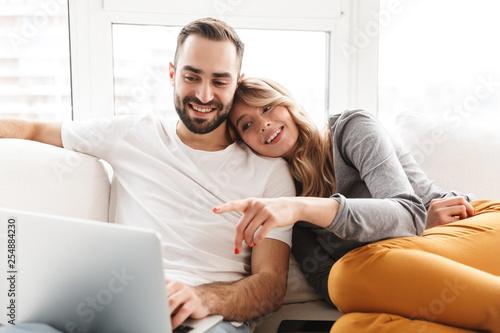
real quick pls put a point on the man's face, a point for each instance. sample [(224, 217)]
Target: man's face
[(204, 80)]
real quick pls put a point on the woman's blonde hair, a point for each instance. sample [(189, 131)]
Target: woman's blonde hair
[(311, 163)]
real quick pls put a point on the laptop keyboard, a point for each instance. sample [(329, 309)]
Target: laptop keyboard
[(183, 329)]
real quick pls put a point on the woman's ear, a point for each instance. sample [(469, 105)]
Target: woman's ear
[(242, 76)]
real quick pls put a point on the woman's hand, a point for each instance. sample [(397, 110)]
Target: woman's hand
[(447, 210), (258, 212), (272, 213)]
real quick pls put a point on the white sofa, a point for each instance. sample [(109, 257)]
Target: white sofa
[(47, 179), (42, 178)]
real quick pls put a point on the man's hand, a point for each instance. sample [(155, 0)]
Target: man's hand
[(447, 210), (261, 292), (184, 301)]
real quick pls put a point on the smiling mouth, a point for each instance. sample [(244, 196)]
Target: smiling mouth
[(202, 109), (274, 135)]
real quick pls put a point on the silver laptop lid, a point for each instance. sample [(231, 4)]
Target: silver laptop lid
[(81, 276)]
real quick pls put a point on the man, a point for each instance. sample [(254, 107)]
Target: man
[(169, 176)]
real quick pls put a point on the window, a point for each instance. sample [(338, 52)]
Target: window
[(34, 60), (296, 47), (141, 54), (296, 59), (302, 48), (440, 59)]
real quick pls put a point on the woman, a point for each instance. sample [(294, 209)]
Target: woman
[(357, 187)]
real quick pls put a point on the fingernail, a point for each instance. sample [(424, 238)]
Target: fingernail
[(254, 244), (249, 245), (216, 209), (236, 251)]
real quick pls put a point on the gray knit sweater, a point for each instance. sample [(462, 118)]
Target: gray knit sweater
[(382, 192)]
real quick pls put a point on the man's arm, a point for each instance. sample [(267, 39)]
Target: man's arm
[(44, 132), (260, 293)]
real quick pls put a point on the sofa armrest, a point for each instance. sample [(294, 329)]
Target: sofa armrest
[(44, 178)]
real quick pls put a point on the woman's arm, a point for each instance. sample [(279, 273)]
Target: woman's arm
[(270, 213), (377, 198), (374, 200)]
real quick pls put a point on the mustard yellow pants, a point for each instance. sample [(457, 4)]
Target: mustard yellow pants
[(448, 280)]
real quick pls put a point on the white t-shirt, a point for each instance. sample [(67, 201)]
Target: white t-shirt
[(162, 184)]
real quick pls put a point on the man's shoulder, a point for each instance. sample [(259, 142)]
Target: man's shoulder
[(113, 123), (143, 117), (147, 122)]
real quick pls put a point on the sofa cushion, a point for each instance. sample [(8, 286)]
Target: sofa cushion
[(298, 289), (44, 178), (460, 156)]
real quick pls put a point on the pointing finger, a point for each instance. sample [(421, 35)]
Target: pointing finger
[(236, 205)]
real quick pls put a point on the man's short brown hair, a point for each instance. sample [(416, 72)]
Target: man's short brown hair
[(211, 29)]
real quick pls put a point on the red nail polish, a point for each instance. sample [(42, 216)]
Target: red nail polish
[(236, 251), (254, 244), (216, 209)]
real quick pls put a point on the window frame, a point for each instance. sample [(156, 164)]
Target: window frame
[(350, 75)]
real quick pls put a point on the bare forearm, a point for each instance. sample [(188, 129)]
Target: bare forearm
[(245, 299), (318, 211), (17, 129), (49, 133)]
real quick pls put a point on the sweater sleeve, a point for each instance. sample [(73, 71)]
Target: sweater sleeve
[(392, 208)]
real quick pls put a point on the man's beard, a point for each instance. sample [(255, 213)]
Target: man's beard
[(201, 125)]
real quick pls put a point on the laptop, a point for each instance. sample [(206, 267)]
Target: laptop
[(84, 276)]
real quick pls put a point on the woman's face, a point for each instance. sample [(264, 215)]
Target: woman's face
[(270, 130)]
